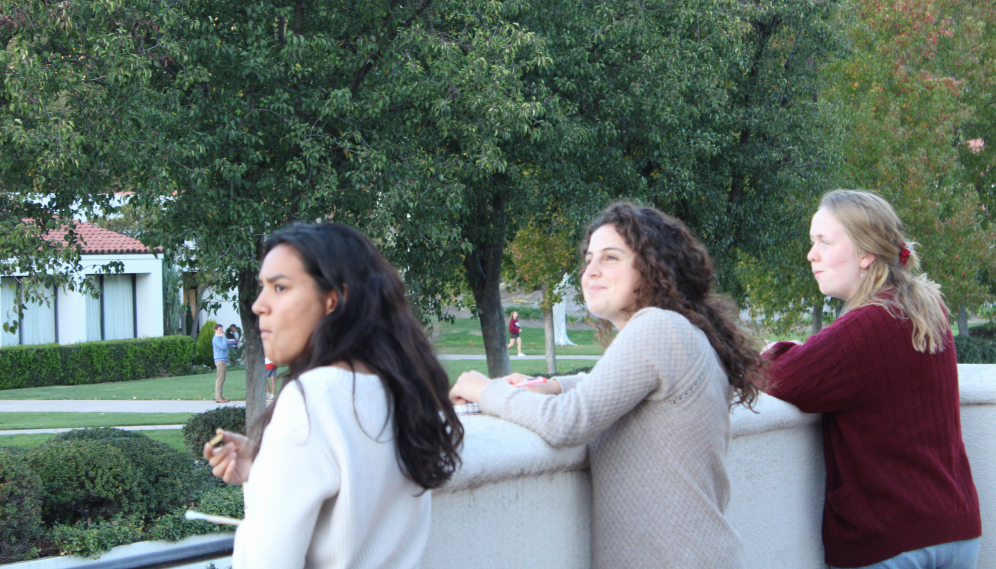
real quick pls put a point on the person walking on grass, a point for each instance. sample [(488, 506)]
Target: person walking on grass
[(271, 377), (513, 333), (220, 345)]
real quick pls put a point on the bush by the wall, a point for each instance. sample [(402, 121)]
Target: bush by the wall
[(20, 507), (94, 362), (205, 352), (84, 479), (975, 350), (91, 540), (223, 501), (201, 427), (165, 475)]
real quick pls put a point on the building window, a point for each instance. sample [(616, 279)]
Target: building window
[(37, 324), (112, 315)]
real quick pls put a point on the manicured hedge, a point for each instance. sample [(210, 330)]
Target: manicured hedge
[(88, 490), (95, 362), (202, 427), (975, 350)]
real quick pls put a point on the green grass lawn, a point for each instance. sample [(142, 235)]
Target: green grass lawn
[(464, 337), (194, 387), (172, 437), (11, 421), (188, 387)]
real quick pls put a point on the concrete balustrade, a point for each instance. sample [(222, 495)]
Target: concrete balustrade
[(517, 502)]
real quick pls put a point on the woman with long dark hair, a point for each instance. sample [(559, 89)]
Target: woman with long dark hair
[(338, 470), (899, 491), (655, 410)]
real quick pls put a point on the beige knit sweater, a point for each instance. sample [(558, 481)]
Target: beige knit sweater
[(655, 414)]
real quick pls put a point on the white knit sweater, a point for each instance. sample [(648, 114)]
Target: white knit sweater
[(325, 490), (655, 414)]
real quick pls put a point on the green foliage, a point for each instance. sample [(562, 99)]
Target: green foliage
[(85, 478), (164, 474), (979, 348), (917, 85), (172, 299), (94, 362), (93, 539), (20, 507), (205, 352), (201, 427), (525, 312), (222, 501)]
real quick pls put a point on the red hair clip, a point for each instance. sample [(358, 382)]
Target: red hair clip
[(904, 254)]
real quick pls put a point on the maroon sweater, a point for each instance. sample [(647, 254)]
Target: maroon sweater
[(898, 478)]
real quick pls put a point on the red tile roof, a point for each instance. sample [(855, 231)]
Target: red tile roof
[(97, 240)]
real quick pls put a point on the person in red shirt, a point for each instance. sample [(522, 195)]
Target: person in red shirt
[(899, 489), (513, 333)]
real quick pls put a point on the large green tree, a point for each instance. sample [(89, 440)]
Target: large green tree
[(918, 85)]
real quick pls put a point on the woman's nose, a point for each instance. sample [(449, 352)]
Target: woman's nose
[(812, 256)]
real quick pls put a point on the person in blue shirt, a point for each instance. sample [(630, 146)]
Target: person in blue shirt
[(220, 345)]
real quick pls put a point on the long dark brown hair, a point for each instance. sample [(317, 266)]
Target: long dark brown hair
[(676, 273), (372, 325)]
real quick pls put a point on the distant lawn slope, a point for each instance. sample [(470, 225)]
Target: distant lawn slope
[(464, 337)]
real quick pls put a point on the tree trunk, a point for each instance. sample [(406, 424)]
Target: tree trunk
[(560, 315), (818, 316), (252, 350), (483, 276), (963, 322), (483, 268), (551, 345)]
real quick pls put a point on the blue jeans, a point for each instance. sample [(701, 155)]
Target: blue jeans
[(953, 555)]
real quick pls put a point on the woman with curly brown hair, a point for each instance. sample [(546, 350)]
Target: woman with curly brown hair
[(654, 410)]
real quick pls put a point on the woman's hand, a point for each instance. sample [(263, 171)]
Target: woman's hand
[(468, 387), (231, 461)]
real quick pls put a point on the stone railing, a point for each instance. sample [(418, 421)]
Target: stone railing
[(517, 502)]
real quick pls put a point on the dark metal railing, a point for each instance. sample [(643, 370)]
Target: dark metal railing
[(172, 557)]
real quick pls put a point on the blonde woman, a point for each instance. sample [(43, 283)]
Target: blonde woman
[(899, 490)]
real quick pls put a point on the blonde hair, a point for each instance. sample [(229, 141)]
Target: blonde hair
[(874, 227)]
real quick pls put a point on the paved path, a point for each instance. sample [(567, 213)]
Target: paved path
[(107, 406), (47, 431), (475, 357)]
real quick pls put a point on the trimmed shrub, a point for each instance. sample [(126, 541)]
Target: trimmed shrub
[(85, 479), (94, 362), (20, 507), (205, 352), (223, 501), (201, 427), (165, 475), (91, 540), (525, 312), (976, 350)]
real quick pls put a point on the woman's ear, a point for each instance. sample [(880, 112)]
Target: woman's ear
[(867, 260), (331, 302)]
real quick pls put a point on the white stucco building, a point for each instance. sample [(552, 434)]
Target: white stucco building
[(130, 304)]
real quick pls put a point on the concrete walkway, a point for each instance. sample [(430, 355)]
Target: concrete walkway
[(48, 431)]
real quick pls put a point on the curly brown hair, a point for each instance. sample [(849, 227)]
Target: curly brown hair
[(676, 273)]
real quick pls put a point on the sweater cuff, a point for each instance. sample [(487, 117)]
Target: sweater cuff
[(569, 382), (778, 349), (494, 395)]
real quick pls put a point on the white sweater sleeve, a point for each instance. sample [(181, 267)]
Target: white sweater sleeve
[(630, 371), (292, 476)]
